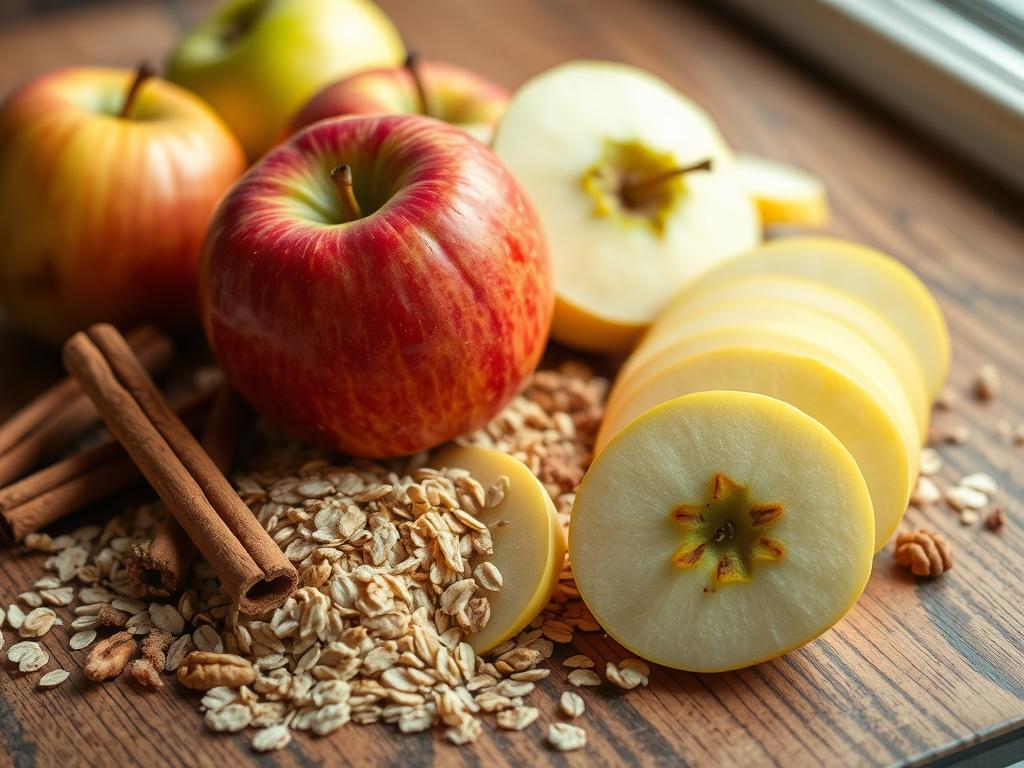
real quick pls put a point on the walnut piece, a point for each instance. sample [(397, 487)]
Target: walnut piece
[(154, 648), (145, 674), (925, 553), (110, 657), (203, 670)]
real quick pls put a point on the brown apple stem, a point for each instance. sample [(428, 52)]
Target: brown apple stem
[(412, 66), (342, 176), (636, 192), (142, 74)]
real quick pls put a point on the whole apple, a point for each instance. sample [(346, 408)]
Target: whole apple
[(108, 180), (419, 87), (377, 285), (258, 61)]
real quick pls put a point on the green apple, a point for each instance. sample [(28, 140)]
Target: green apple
[(258, 61)]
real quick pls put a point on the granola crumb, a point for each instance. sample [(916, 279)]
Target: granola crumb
[(987, 384)]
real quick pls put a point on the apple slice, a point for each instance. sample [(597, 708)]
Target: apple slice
[(854, 317), (529, 545), (878, 280), (842, 404), (783, 194), (720, 530), (636, 190), (768, 325)]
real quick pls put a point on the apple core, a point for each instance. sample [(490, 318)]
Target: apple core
[(725, 535), (637, 183)]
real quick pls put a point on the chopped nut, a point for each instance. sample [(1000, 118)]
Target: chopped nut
[(112, 617), (995, 520), (109, 657), (926, 553), (203, 670), (154, 648), (987, 385), (146, 675), (968, 517)]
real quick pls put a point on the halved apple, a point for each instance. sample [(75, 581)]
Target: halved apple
[(783, 193), (844, 405), (720, 530), (874, 278), (529, 544), (852, 313), (636, 189)]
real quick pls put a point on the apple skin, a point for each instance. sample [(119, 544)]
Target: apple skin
[(258, 61), (102, 217), (393, 332), (455, 95)]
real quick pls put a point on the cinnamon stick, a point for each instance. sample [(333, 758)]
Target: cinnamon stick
[(69, 485), (63, 413), (251, 567), (159, 567)]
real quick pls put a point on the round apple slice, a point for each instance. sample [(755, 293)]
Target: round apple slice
[(874, 278), (842, 404), (853, 313), (783, 194), (720, 530), (636, 189), (529, 545)]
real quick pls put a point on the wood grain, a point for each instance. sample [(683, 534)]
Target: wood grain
[(917, 671)]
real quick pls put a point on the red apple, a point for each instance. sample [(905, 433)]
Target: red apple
[(108, 180), (433, 88), (377, 285)]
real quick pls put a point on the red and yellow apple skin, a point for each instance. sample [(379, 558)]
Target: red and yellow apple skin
[(454, 95), (394, 331), (103, 217)]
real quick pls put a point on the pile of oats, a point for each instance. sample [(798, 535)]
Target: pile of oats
[(394, 577)]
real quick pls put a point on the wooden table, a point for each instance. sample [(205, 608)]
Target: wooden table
[(917, 672)]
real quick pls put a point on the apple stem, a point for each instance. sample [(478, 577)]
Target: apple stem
[(342, 176), (636, 193), (412, 66), (142, 73)]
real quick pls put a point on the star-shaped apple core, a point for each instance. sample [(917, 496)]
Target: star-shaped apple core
[(727, 533)]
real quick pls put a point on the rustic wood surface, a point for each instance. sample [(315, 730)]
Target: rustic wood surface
[(916, 672)]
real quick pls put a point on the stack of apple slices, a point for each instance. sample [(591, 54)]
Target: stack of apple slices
[(845, 334)]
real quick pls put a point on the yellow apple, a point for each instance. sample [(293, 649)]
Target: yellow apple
[(258, 61)]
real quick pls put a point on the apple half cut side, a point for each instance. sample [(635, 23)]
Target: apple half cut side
[(843, 405), (636, 189), (876, 279), (833, 304), (529, 545), (783, 193), (720, 530)]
